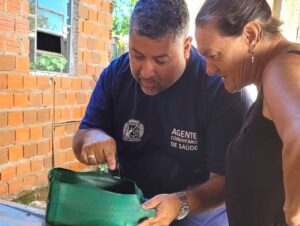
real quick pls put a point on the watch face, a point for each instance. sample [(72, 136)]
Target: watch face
[(184, 209)]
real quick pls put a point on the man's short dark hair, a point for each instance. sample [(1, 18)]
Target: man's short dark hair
[(156, 18)]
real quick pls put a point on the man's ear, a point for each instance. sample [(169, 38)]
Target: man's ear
[(252, 33), (187, 46)]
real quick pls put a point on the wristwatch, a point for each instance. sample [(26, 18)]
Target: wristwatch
[(184, 206)]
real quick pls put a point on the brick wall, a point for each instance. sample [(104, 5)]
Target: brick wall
[(39, 113)]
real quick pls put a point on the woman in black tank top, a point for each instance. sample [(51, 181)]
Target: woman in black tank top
[(243, 44)]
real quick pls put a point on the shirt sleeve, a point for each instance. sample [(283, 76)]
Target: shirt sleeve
[(99, 110), (226, 113)]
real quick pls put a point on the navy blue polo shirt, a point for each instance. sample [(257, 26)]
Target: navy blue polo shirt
[(169, 141)]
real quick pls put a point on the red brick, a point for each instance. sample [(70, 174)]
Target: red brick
[(71, 99), (44, 148), (13, 6), (59, 131), (6, 23), (29, 181), (70, 129), (30, 117), (47, 99), (14, 82), (47, 131), (76, 84), (90, 70), (21, 26), (21, 100), (77, 113), (108, 20), (87, 56), (43, 82), (101, 17), (92, 15), (82, 42), (66, 83), (25, 47), (35, 99), (60, 158), (36, 165), (57, 114), (80, 56), (85, 84), (77, 166), (92, 44), (3, 119), (70, 156), (106, 6), (15, 186), (36, 133), (95, 58), (13, 45), (30, 82), (57, 81), (7, 63), (3, 81), (43, 115), (25, 11), (80, 25), (8, 173), (22, 64), (48, 162), (66, 142), (42, 178), (23, 168), (56, 144), (1, 37), (99, 70), (60, 98), (88, 27), (15, 153), (66, 114), (3, 188), (81, 69), (80, 98), (2, 6), (15, 118), (30, 150), (3, 155), (22, 135), (83, 12), (7, 137)]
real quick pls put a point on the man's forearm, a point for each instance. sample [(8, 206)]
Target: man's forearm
[(207, 195)]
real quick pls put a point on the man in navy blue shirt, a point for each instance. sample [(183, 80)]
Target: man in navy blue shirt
[(156, 115)]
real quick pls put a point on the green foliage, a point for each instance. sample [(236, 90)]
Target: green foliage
[(121, 16), (45, 62), (103, 168)]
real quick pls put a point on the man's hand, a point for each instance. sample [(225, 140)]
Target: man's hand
[(167, 207), (93, 147)]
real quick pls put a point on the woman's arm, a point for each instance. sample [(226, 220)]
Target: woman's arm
[(281, 84)]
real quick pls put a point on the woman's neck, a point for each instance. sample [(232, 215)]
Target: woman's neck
[(264, 53)]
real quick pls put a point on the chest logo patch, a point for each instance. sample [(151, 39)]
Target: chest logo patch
[(184, 140), (133, 131)]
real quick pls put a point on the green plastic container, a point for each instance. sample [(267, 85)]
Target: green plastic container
[(90, 198)]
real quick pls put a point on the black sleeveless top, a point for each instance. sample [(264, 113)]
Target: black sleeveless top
[(254, 178)]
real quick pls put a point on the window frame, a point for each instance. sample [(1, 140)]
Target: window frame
[(71, 38)]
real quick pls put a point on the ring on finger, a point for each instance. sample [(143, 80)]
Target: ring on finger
[(92, 156)]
